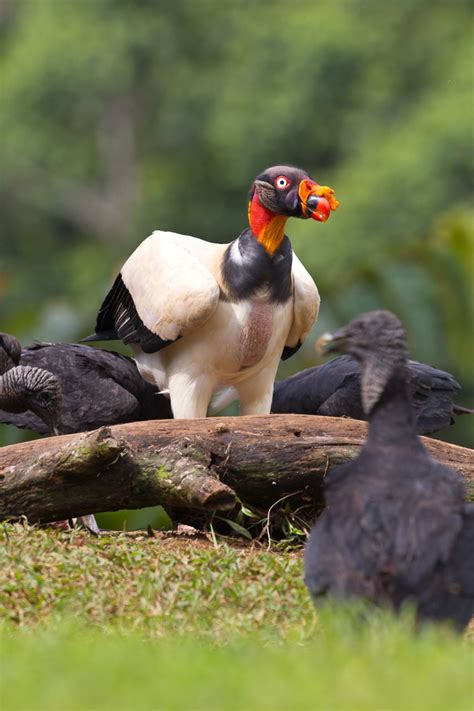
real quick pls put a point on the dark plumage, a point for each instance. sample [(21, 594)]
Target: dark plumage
[(274, 271), (396, 527), (10, 352), (118, 319), (113, 391), (33, 396), (98, 388), (25, 389), (333, 389)]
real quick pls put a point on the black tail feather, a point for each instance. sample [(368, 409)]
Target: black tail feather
[(460, 410)]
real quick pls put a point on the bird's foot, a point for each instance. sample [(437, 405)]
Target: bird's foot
[(88, 522)]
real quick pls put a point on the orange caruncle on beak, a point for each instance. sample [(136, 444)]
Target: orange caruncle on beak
[(317, 201)]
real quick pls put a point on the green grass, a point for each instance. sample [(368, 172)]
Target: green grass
[(380, 668), (159, 585), (143, 623)]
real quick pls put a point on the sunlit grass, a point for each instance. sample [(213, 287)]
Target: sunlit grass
[(131, 622), (160, 585)]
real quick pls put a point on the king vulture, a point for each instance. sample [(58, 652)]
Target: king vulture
[(396, 528), (201, 316)]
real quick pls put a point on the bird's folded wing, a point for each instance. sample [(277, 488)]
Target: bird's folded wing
[(425, 539), (411, 522), (164, 291), (306, 307)]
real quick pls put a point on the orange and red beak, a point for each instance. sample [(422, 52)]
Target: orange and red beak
[(316, 201)]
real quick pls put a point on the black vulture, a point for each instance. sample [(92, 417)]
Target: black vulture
[(105, 388), (32, 395), (98, 388), (333, 389), (31, 392), (27, 388), (396, 528)]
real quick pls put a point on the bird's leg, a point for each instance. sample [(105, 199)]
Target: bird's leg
[(256, 396), (189, 396), (88, 522)]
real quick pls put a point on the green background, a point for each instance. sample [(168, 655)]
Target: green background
[(121, 117), (118, 117)]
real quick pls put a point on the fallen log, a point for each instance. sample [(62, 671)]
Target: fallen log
[(194, 465), (97, 471)]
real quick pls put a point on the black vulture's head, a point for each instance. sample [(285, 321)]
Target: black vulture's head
[(41, 393), (281, 192), (377, 340)]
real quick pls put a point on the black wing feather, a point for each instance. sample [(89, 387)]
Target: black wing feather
[(118, 319), (289, 351), (98, 388), (333, 389)]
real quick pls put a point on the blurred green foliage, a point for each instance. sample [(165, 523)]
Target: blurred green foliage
[(120, 117)]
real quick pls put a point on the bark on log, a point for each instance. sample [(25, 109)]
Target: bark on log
[(97, 471), (187, 464)]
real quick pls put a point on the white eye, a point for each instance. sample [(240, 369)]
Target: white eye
[(281, 182)]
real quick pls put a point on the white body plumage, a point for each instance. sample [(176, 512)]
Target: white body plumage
[(177, 287)]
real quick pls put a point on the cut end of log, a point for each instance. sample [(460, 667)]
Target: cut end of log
[(214, 495)]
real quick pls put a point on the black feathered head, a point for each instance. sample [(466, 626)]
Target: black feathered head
[(377, 340), (38, 390)]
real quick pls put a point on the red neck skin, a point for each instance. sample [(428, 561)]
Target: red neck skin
[(267, 227)]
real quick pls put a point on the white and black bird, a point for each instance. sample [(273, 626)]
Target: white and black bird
[(396, 528), (201, 317)]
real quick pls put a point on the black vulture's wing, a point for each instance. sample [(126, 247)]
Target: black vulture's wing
[(25, 421), (330, 389), (433, 393), (90, 397)]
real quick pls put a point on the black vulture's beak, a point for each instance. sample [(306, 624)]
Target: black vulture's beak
[(51, 421), (331, 342)]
